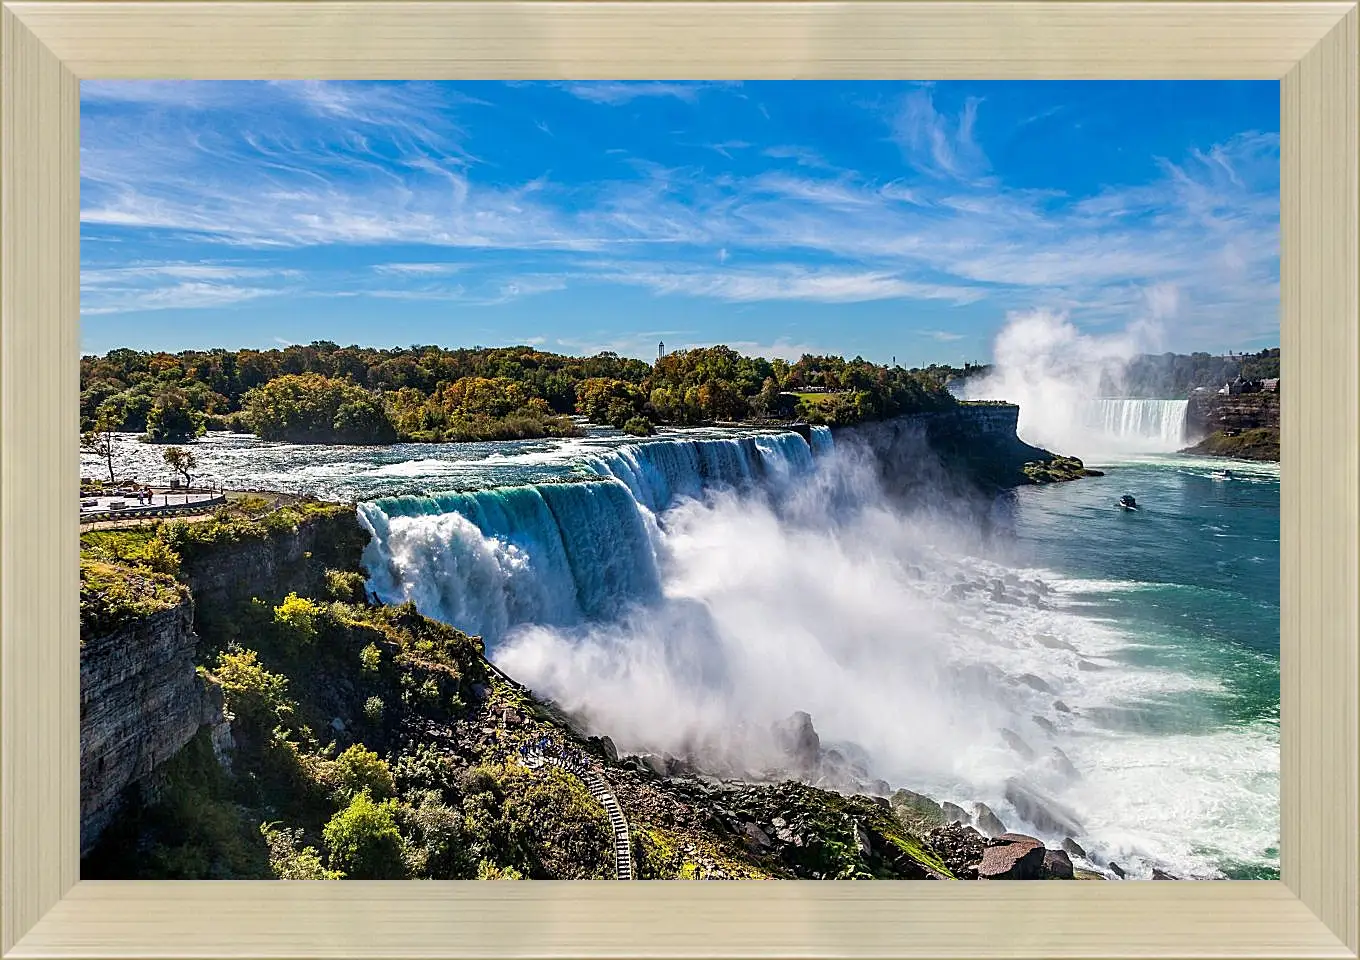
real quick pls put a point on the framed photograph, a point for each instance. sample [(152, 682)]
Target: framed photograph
[(718, 441)]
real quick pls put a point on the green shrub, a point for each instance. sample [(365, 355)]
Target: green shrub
[(639, 427), (370, 658), (346, 586), (290, 863), (360, 770), (252, 692), (373, 710), (112, 595), (296, 618), (363, 840)]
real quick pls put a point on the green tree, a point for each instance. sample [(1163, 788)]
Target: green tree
[(363, 840), (182, 462), (172, 419), (360, 770), (99, 440)]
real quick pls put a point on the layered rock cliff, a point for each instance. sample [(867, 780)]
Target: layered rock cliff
[(140, 702), (1245, 426), (971, 449), (142, 698)]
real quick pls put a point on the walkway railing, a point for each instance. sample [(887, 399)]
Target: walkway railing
[(599, 789)]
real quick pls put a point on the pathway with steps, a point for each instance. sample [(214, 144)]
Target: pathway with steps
[(599, 789)]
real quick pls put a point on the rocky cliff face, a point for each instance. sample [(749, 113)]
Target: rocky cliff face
[(140, 702), (220, 575), (1246, 411), (964, 452), (141, 698)]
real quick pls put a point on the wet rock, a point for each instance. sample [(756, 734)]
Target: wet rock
[(1034, 683), (1044, 724), (862, 841), (1014, 741), (1061, 707), (796, 737), (1088, 666), (337, 725), (756, 838), (960, 848), (1073, 848), (1057, 865), (988, 823), (1079, 874), (916, 809), (652, 764), (611, 752), (1063, 764), (1117, 870), (1012, 856), (953, 813), (1046, 814), (1158, 874), (880, 788)]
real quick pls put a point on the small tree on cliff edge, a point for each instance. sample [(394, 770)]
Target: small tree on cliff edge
[(99, 440), (182, 462)]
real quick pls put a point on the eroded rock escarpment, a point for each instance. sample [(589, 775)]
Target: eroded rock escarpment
[(971, 449), (141, 700), (1245, 426)]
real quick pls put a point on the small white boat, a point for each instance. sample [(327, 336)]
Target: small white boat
[(1222, 475)]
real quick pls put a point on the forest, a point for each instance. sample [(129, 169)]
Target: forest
[(325, 393)]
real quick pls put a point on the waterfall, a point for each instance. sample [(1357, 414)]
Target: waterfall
[(560, 553), (1152, 426)]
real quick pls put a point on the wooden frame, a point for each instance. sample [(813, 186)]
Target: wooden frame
[(47, 47)]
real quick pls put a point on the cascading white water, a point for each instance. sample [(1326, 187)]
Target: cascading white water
[(696, 591), (1138, 425), (558, 553)]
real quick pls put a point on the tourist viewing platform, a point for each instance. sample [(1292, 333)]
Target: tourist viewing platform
[(130, 500)]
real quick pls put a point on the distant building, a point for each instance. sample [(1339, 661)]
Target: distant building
[(660, 349), (1271, 385)]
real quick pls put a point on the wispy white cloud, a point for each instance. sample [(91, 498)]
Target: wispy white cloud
[(614, 92), (366, 166)]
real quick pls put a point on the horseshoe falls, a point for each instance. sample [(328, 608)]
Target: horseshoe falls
[(1145, 426)]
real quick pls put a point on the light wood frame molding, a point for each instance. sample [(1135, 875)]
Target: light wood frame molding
[(46, 48)]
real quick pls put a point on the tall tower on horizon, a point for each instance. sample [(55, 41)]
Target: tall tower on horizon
[(660, 349)]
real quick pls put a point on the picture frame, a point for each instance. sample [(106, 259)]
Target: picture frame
[(47, 48)]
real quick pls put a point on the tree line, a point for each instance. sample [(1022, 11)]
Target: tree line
[(325, 393)]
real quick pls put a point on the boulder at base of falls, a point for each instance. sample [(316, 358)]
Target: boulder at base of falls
[(1063, 764), (917, 810), (988, 823), (1044, 813), (1074, 848), (1117, 870), (1044, 724), (796, 737), (1162, 875), (1057, 865), (959, 847), (1034, 683), (953, 813), (1014, 741), (1012, 856)]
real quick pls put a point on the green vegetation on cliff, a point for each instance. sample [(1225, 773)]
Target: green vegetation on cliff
[(1259, 444)]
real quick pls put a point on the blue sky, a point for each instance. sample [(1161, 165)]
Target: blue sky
[(883, 219)]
